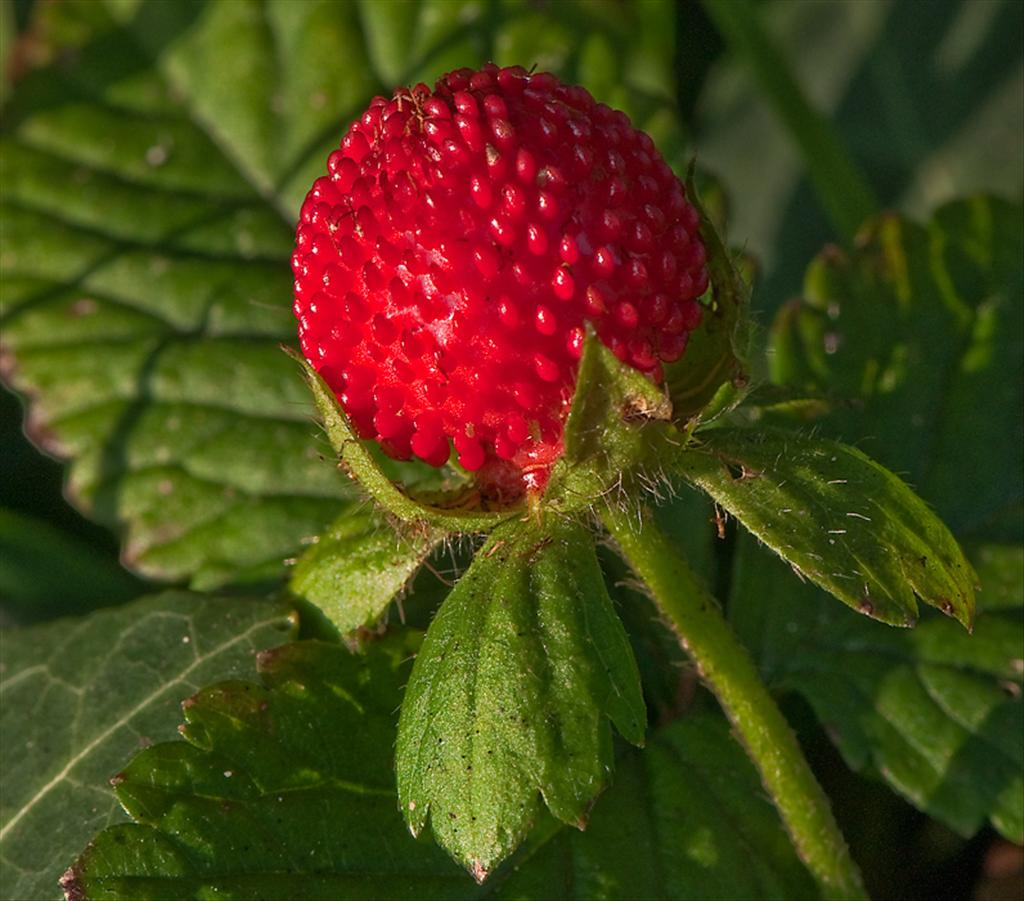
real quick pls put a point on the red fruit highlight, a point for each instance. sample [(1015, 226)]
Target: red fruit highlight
[(446, 265)]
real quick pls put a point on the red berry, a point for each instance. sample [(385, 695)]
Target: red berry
[(447, 264)]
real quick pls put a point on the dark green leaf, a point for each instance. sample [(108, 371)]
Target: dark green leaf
[(923, 329), (928, 322), (510, 697), (79, 695), (935, 712), (151, 180), (358, 566), (45, 572), (143, 310), (838, 518), (281, 790)]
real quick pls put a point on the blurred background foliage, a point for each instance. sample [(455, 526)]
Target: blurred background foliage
[(926, 97)]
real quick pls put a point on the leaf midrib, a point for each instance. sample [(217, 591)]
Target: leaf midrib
[(125, 719)]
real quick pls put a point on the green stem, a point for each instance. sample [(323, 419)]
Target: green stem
[(727, 668), (842, 187)]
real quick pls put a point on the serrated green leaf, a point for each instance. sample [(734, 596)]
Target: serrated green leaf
[(838, 518), (358, 566), (79, 695), (144, 304), (922, 328), (143, 311), (281, 790), (510, 697), (935, 712)]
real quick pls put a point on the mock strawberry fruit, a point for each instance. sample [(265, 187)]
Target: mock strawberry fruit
[(447, 264)]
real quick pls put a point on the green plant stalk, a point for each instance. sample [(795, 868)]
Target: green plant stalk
[(729, 672), (843, 189)]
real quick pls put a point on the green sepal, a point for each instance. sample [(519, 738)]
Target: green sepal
[(359, 463), (359, 566), (511, 697), (715, 358), (608, 430)]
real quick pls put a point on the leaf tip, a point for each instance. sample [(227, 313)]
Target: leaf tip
[(265, 659), (633, 729), (962, 612), (71, 884), (478, 871), (415, 817)]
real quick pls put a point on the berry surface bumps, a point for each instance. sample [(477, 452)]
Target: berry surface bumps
[(447, 265)]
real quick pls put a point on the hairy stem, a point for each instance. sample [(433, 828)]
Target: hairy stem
[(842, 187), (729, 672)]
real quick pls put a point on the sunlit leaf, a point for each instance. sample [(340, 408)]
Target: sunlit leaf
[(284, 789), (358, 567), (511, 696), (838, 518)]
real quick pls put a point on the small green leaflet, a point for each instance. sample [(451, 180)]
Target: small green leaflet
[(838, 518), (511, 696), (358, 566), (280, 790), (80, 695)]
